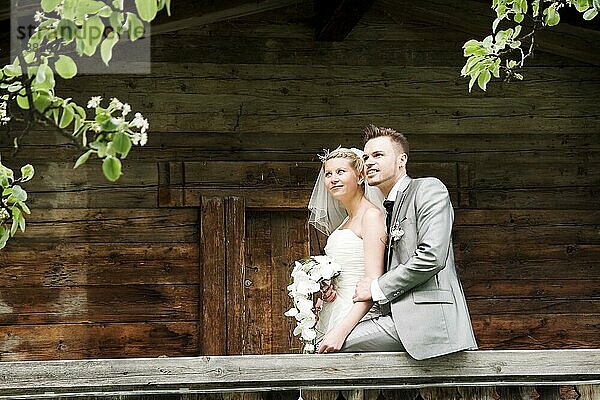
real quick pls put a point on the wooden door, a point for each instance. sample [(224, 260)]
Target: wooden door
[(247, 258)]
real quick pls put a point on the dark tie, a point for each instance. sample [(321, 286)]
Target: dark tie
[(389, 207)]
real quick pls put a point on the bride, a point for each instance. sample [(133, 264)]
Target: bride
[(343, 206)]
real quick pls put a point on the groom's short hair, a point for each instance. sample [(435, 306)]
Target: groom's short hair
[(372, 132)]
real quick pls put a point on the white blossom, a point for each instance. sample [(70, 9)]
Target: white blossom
[(306, 278), (116, 103), (94, 102), (4, 118), (96, 127), (126, 109), (38, 16), (144, 139), (140, 122)]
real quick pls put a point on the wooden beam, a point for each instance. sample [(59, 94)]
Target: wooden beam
[(342, 20), (240, 11), (293, 371), (476, 19)]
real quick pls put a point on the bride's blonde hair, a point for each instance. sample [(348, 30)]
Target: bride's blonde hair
[(341, 152)]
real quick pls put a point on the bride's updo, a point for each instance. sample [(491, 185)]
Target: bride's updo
[(341, 152)]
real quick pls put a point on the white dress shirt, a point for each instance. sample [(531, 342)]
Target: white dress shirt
[(376, 292)]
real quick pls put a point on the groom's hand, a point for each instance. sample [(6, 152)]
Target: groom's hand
[(363, 290)]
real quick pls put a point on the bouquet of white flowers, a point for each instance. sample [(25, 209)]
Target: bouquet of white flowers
[(307, 276)]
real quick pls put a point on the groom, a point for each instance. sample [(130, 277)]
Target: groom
[(424, 311)]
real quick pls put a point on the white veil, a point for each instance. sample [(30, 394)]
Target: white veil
[(327, 213)]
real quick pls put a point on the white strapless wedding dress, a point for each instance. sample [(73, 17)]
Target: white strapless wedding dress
[(346, 249)]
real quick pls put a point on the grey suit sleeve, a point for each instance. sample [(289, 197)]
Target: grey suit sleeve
[(434, 218)]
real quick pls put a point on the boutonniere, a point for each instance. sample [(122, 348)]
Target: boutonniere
[(396, 232)]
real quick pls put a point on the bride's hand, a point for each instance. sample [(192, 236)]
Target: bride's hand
[(332, 342), (328, 291)]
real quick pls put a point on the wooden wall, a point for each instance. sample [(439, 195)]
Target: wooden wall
[(133, 268)]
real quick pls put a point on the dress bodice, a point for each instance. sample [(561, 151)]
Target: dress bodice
[(346, 249)]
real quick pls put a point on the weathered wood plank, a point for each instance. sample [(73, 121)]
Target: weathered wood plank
[(583, 198), (235, 233), (338, 23), (289, 81), (557, 287), (293, 175), (77, 341), (139, 303), (537, 331), (537, 218), (110, 225), (273, 372), (428, 120), (304, 145), (258, 295), (573, 306), (69, 264), (213, 297), (549, 234), (290, 231)]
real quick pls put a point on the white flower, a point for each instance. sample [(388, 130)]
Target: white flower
[(4, 118), (306, 277), (139, 122), (96, 127), (126, 109), (116, 103), (144, 139), (94, 102), (38, 16), (308, 348), (396, 233)]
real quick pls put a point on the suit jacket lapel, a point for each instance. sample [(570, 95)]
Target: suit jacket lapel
[(400, 198)]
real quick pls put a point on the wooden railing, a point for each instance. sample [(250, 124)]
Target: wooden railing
[(47, 379)]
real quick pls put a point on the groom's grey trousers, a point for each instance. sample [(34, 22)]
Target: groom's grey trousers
[(377, 334)]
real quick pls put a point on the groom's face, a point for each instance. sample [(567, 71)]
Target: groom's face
[(384, 163)]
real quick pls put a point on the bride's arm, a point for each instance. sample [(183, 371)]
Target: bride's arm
[(373, 235)]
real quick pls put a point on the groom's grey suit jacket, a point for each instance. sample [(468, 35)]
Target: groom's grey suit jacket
[(427, 302)]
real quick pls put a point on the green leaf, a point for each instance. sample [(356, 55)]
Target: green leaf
[(483, 79), (16, 213), (24, 207), (111, 168), (67, 30), (27, 172), (18, 193), (582, 5), (67, 117), (41, 73), (48, 83), (107, 47), (23, 101), (93, 29), (135, 27), (4, 235), (110, 125), (83, 158), (116, 21), (65, 67), (21, 221), (147, 9), (88, 7), (552, 17), (590, 14), (121, 143), (519, 18), (41, 101), (49, 5), (100, 147)]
